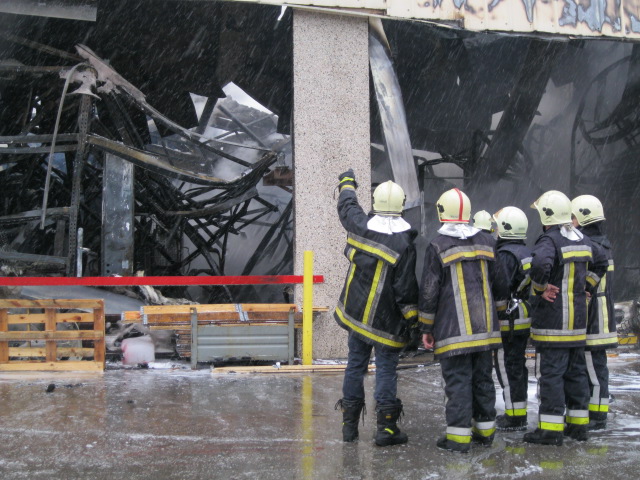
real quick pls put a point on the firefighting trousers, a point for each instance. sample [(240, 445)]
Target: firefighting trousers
[(471, 395), (598, 383), (512, 373), (563, 388), (357, 364)]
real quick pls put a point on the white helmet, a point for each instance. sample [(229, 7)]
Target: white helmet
[(454, 207), (512, 223), (388, 199), (587, 209), (483, 221), (554, 208)]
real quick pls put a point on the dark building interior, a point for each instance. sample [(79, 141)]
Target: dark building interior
[(505, 117)]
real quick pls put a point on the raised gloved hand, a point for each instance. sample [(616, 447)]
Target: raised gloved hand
[(347, 180)]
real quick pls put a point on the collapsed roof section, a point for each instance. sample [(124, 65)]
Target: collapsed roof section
[(74, 204), (508, 117)]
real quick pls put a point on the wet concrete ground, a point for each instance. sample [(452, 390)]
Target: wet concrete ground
[(177, 423)]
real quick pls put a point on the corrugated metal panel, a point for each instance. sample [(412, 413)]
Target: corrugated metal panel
[(259, 342), (256, 342)]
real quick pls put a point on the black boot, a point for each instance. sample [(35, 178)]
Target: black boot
[(577, 432), (479, 439), (597, 421), (509, 423), (446, 444), (350, 417), (544, 437), (388, 432)]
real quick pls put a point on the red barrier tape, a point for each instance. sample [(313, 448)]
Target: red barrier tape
[(155, 281)]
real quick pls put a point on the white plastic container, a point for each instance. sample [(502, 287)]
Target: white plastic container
[(138, 350)]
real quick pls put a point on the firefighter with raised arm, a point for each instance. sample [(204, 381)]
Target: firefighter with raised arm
[(588, 216), (378, 303), (561, 273), (510, 362), (458, 318)]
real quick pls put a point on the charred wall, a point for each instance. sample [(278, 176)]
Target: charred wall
[(508, 117), (156, 100), (505, 117)]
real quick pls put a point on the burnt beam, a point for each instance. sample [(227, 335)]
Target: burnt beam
[(519, 112)]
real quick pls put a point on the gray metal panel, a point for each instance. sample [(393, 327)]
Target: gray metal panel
[(32, 258), (194, 337), (393, 116), (291, 331), (257, 342), (117, 216)]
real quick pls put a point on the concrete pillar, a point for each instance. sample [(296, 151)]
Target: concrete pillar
[(331, 135)]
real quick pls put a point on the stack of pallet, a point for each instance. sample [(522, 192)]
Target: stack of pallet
[(180, 318)]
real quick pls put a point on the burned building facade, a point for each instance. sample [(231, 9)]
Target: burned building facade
[(205, 138)]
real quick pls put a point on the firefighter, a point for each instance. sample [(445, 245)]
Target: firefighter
[(510, 362), (378, 303), (588, 214), (458, 318), (483, 221), (560, 273)]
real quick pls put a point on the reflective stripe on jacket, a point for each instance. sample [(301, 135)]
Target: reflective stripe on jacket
[(378, 302), (515, 259), (456, 303), (601, 324), (565, 264)]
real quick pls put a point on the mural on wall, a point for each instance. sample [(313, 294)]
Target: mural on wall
[(615, 18)]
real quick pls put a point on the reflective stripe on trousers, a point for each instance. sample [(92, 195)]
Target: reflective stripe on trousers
[(598, 380), (469, 389), (512, 373), (562, 377)]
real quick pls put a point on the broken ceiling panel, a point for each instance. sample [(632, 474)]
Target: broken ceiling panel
[(511, 117), (184, 192)]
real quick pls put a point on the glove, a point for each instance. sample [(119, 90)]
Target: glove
[(347, 180)]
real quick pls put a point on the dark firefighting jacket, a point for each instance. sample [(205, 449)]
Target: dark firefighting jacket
[(569, 266), (601, 323), (379, 299), (515, 259), (459, 282)]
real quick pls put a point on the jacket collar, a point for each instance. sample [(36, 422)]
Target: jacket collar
[(458, 230), (568, 231), (388, 225)]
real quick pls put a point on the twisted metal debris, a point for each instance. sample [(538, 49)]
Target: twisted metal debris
[(190, 194)]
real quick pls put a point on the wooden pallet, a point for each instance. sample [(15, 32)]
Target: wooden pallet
[(52, 316), (172, 317), (273, 370), (214, 314)]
